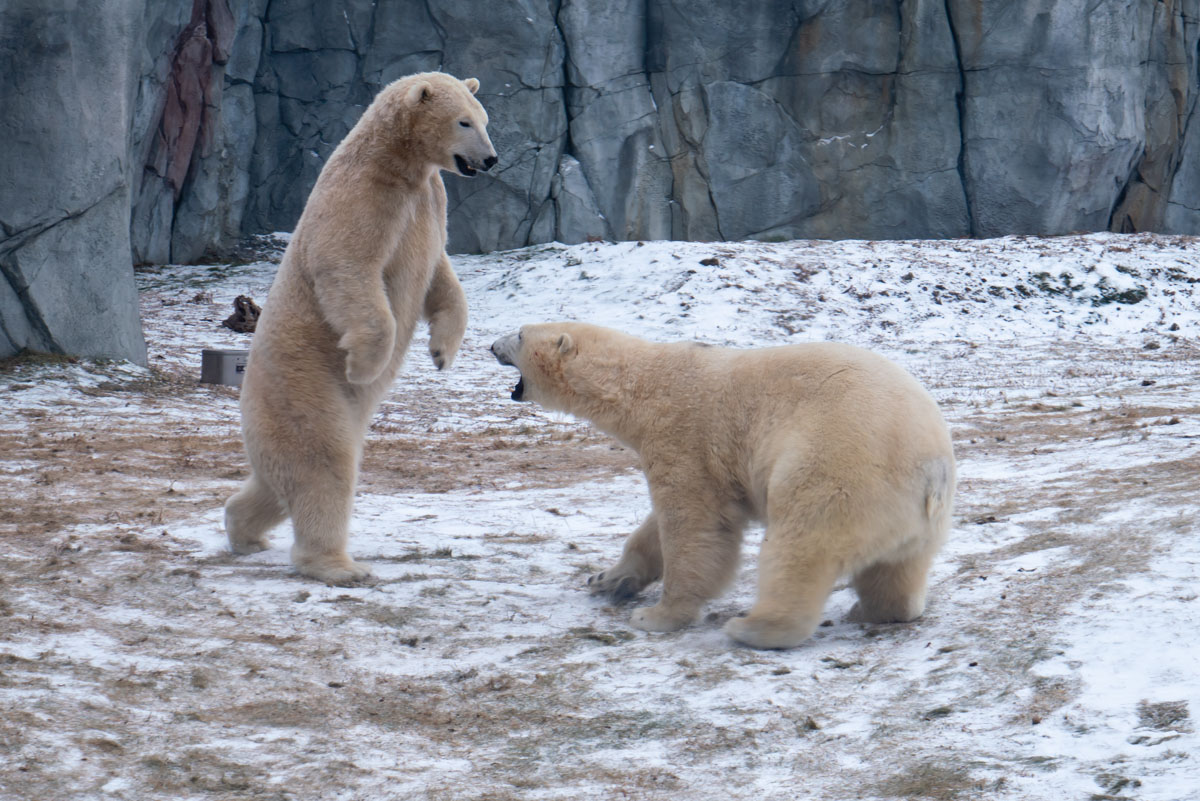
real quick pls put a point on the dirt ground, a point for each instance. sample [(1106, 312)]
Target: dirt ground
[(137, 661)]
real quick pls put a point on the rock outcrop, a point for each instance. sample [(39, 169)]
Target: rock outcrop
[(1074, 113), (192, 131)]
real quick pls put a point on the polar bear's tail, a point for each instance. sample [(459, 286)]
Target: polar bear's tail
[(939, 489)]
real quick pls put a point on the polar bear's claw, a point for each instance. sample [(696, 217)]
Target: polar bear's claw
[(618, 588)]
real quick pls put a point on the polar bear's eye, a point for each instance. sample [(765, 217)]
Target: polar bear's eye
[(464, 123)]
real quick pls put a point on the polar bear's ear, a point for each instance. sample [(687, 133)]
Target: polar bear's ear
[(419, 93), (565, 344), (472, 84)]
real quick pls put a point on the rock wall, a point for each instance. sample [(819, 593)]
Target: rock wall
[(1074, 118), (66, 97), (647, 119), (170, 130)]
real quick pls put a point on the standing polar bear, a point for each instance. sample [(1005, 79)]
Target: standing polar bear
[(840, 452), (366, 261)]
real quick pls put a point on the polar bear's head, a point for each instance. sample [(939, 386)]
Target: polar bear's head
[(442, 123), (568, 367), (540, 353)]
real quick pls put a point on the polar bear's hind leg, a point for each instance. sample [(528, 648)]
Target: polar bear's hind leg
[(321, 497), (892, 592), (250, 514)]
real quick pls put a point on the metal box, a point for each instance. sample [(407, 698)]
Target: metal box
[(223, 366)]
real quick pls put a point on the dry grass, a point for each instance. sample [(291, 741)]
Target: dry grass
[(64, 470), (128, 482)]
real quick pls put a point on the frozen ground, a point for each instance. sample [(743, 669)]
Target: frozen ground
[(1058, 658)]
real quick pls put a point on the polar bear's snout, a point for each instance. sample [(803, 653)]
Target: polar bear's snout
[(505, 349), (469, 167), (472, 149)]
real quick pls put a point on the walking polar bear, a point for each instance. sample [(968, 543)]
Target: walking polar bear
[(366, 261), (840, 452)]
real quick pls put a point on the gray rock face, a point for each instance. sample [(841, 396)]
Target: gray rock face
[(1090, 101), (578, 218), (1162, 188), (1182, 213), (717, 120), (65, 280), (613, 117)]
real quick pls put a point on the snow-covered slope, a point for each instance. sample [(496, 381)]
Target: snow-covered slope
[(1057, 658)]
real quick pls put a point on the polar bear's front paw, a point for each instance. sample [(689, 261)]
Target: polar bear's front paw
[(338, 572), (369, 349), (445, 337), (246, 545), (615, 584), (656, 618), (442, 357)]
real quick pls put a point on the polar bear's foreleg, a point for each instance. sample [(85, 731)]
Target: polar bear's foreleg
[(250, 514), (368, 341), (445, 308), (700, 556), (353, 300), (641, 563), (796, 572)]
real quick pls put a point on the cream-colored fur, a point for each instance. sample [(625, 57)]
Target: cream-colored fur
[(366, 261), (840, 452)]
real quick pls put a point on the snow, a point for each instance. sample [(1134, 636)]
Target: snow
[(1062, 609)]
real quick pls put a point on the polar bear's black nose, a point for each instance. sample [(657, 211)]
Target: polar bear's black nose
[(489, 162)]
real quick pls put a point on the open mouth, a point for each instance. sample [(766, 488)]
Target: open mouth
[(463, 167), (503, 349)]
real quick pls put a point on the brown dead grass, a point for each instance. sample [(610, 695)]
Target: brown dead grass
[(941, 781), (133, 480), (65, 471), (457, 461)]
